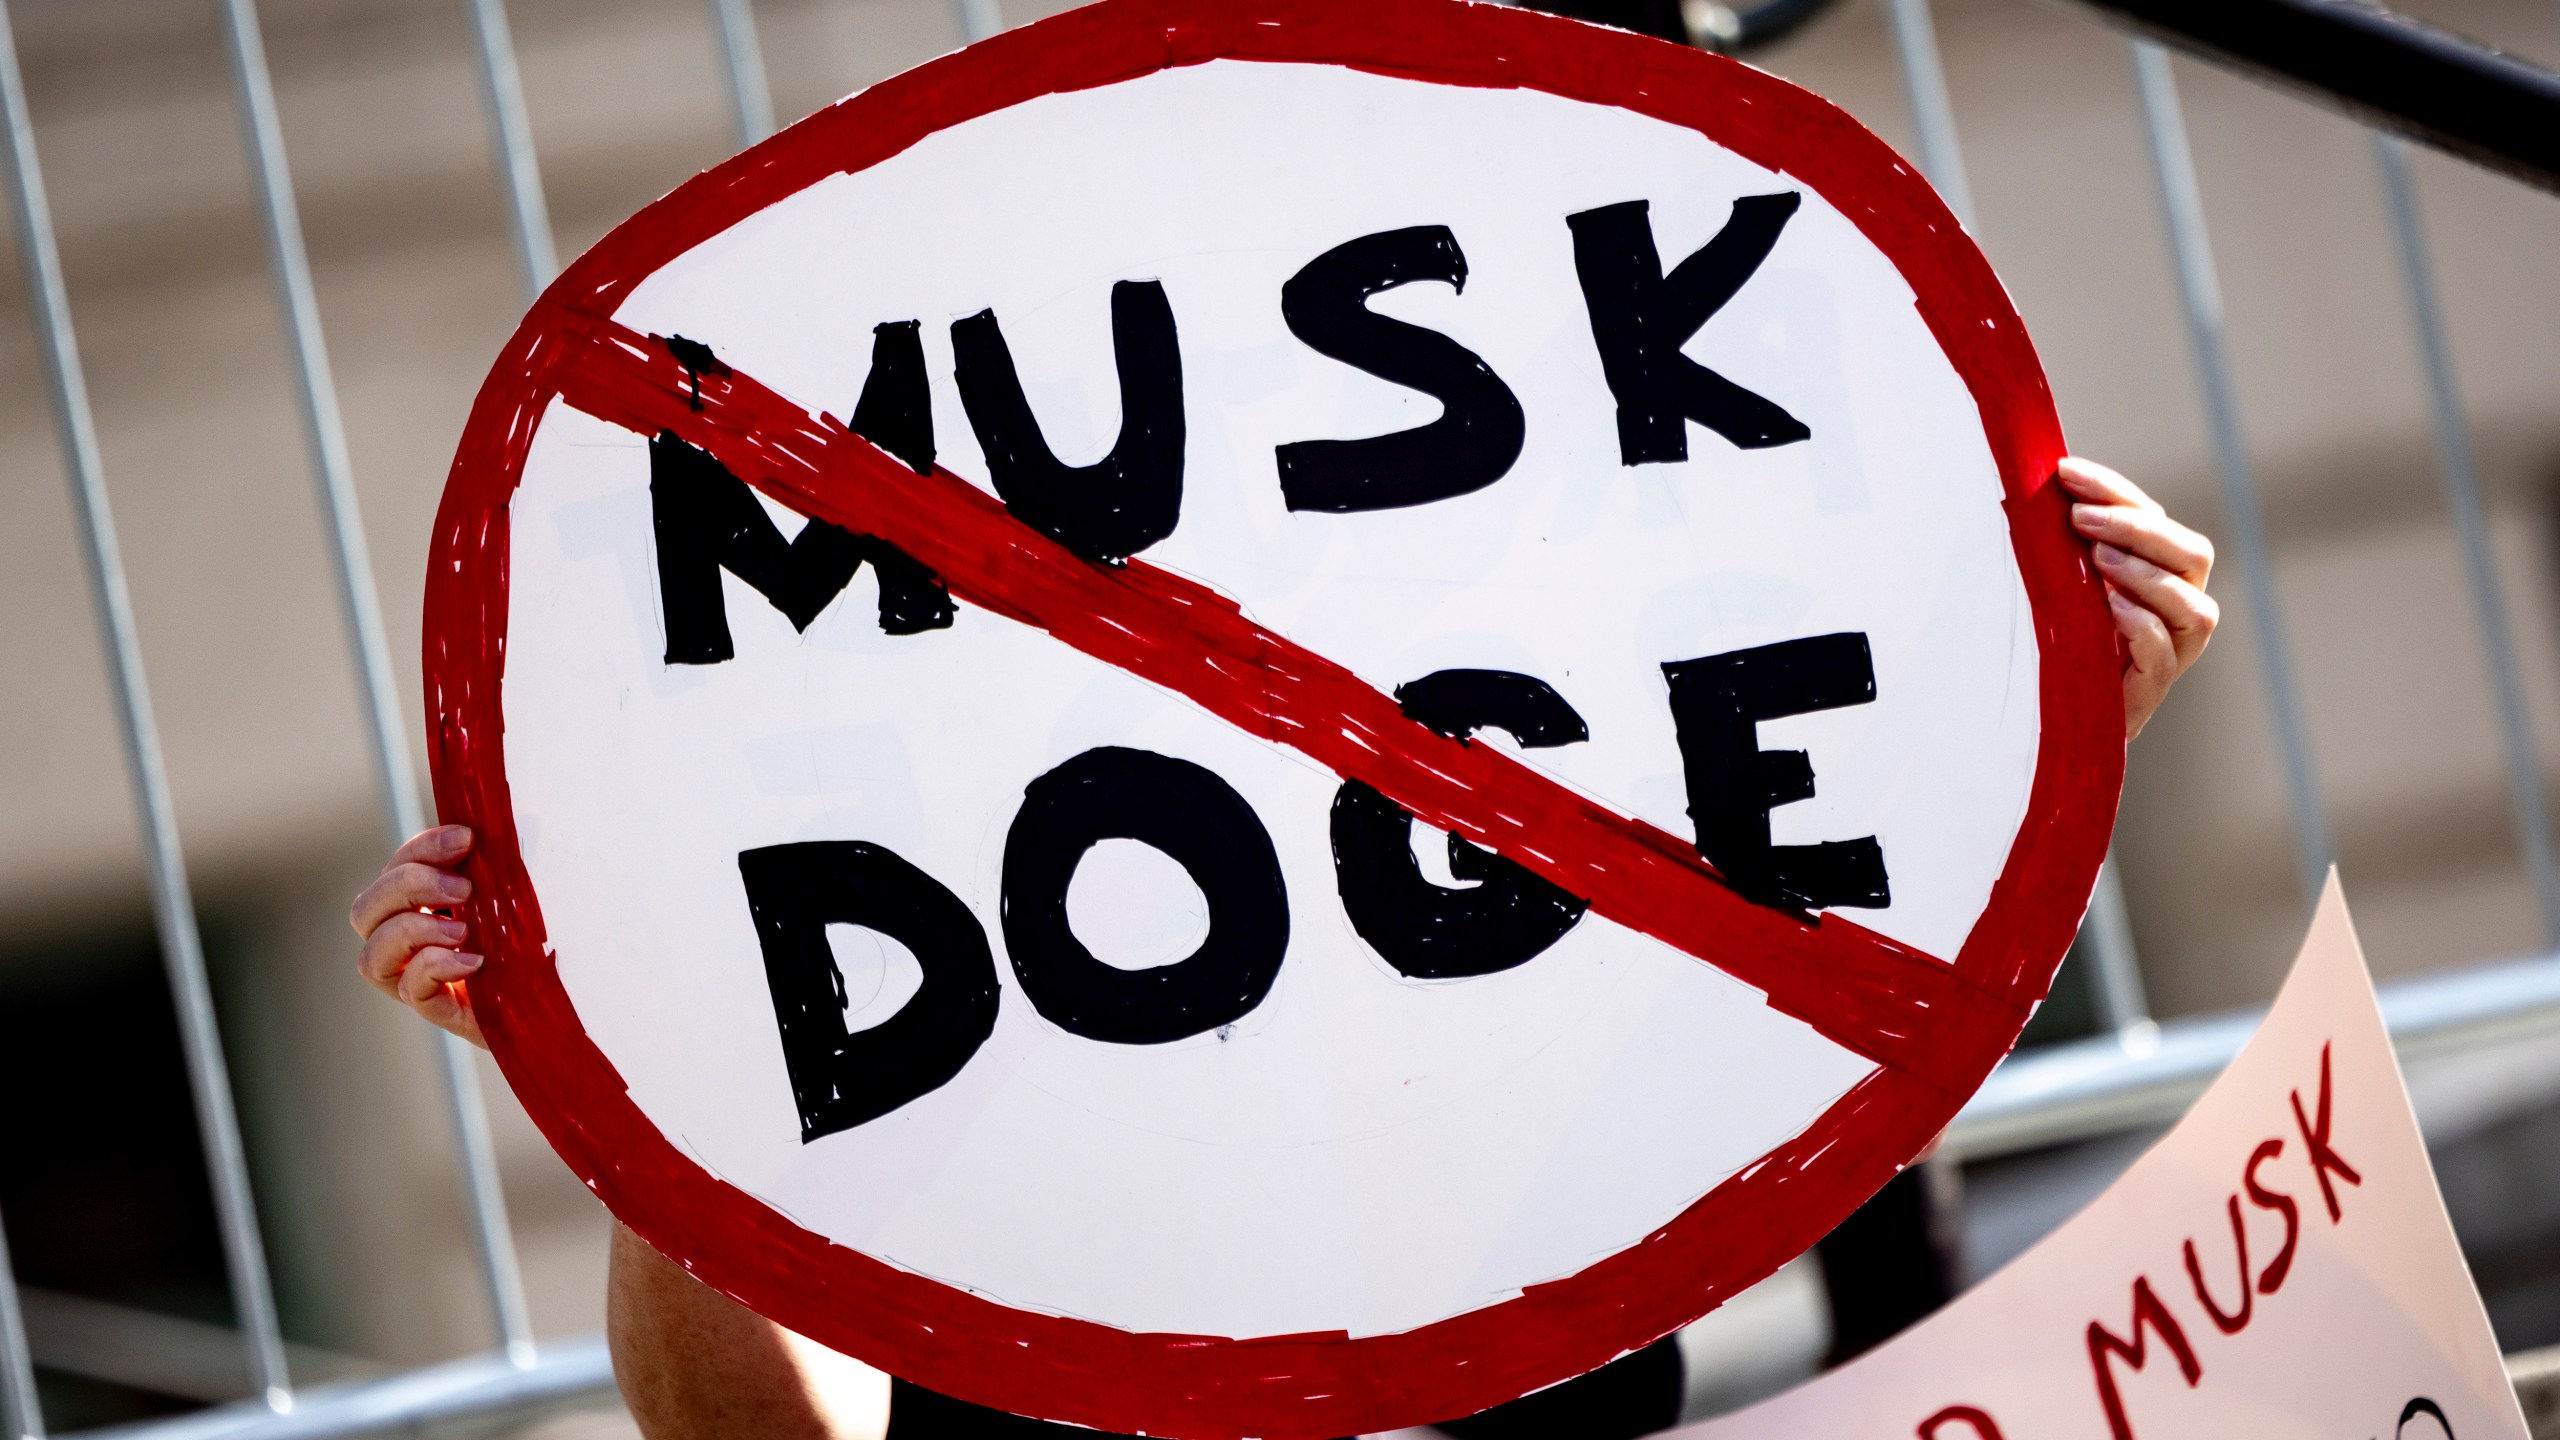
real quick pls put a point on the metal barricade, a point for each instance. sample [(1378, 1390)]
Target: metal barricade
[(2135, 1072), (172, 903)]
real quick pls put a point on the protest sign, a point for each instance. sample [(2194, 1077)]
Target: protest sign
[(2279, 1265), (1271, 718)]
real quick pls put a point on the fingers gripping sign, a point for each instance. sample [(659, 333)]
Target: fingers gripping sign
[(408, 919), (2155, 570), (1410, 740)]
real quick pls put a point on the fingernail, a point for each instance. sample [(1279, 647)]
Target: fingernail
[(454, 837), (456, 887), (2107, 554), (467, 961), (2117, 601), (452, 930)]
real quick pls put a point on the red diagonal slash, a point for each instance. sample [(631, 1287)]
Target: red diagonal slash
[(1895, 1005)]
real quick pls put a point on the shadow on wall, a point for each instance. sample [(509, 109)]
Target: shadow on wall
[(104, 1190)]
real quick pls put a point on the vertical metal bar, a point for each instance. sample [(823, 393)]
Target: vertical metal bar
[(2461, 476), (484, 1202), (979, 19), (511, 145), (394, 774), (750, 101), (21, 1414), (2107, 930), (2123, 1009), (2190, 245), (316, 393), (172, 904), (1933, 116)]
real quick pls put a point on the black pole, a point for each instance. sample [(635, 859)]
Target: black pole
[(2380, 67), (1708, 24)]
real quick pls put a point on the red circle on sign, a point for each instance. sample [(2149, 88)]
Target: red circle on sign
[(961, 1343)]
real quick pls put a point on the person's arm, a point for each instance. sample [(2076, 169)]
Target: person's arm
[(693, 1364), (696, 1365)]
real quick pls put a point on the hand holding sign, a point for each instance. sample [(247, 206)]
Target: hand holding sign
[(1527, 556), (412, 937), (2156, 570)]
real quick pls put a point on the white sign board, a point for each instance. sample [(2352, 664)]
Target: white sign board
[(1270, 720)]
